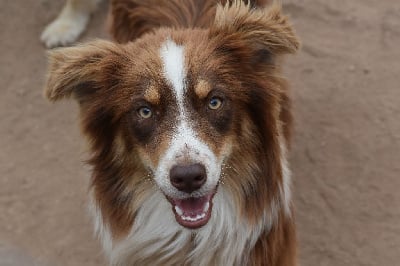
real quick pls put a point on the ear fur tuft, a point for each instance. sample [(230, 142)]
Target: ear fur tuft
[(71, 68), (266, 27)]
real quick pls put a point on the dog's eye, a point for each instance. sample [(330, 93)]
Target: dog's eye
[(145, 112), (215, 103)]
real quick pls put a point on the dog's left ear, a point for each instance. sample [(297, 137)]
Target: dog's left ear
[(265, 31)]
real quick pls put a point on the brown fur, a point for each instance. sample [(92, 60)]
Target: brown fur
[(238, 52), (131, 19)]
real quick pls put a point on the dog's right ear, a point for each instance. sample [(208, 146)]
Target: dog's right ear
[(78, 71)]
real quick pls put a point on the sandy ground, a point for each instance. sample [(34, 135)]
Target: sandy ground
[(345, 156)]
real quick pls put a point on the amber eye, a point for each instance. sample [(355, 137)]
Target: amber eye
[(215, 103), (145, 112)]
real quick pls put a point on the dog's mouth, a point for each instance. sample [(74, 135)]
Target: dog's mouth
[(192, 212)]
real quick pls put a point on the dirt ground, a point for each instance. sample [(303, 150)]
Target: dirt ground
[(345, 156)]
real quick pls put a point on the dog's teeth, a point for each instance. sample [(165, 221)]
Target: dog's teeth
[(178, 211), (206, 207), (198, 217)]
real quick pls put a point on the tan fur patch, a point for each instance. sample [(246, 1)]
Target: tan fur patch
[(152, 95), (202, 88)]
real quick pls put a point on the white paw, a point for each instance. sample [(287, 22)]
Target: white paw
[(65, 29)]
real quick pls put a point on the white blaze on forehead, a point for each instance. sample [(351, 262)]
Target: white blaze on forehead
[(174, 68), (185, 141)]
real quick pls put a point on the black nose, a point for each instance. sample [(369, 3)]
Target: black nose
[(188, 178)]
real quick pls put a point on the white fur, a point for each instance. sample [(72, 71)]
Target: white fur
[(157, 234), (185, 142), (69, 24), (100, 228), (286, 195), (174, 68)]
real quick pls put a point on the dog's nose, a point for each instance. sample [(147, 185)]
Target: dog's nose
[(188, 178)]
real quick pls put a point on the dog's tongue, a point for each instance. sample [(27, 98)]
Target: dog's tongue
[(192, 212)]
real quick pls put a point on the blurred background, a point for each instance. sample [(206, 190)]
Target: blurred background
[(345, 156)]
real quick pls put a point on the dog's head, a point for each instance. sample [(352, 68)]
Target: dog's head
[(188, 109)]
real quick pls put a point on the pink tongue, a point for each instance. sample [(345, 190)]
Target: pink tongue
[(191, 206)]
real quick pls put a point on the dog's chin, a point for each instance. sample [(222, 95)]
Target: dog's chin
[(193, 212)]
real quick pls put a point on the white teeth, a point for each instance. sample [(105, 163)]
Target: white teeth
[(206, 207), (178, 211), (198, 217), (194, 219)]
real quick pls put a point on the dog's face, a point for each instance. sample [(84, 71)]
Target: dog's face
[(178, 106), (181, 122)]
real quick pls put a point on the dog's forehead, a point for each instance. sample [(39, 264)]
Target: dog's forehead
[(173, 67), (168, 69)]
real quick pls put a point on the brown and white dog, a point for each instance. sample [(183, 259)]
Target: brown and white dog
[(188, 120)]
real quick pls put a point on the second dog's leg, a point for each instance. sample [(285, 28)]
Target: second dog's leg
[(69, 24)]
